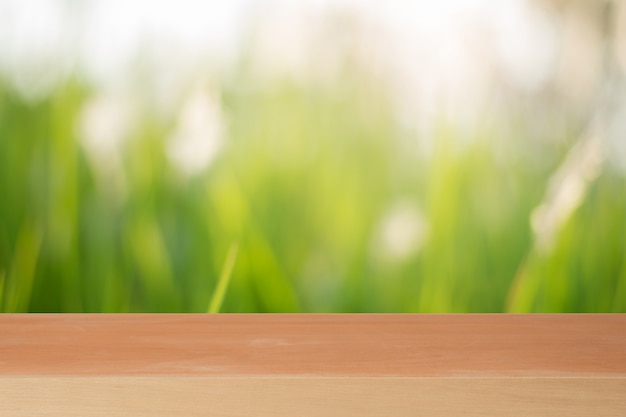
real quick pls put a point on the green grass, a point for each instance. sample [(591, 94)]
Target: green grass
[(304, 183), (218, 295)]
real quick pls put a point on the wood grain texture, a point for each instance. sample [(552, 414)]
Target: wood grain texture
[(161, 396), (312, 365)]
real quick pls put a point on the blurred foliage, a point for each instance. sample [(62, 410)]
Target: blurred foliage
[(304, 183)]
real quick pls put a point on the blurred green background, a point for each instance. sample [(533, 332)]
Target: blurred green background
[(333, 204)]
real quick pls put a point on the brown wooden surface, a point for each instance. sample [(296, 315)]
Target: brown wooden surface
[(312, 365), (161, 396), (323, 345)]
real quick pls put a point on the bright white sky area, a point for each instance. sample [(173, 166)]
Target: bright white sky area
[(444, 46)]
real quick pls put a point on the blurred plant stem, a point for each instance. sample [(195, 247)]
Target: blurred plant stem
[(222, 284)]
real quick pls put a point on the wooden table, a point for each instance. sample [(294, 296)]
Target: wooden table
[(312, 365)]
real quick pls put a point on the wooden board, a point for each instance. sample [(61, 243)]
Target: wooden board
[(312, 365)]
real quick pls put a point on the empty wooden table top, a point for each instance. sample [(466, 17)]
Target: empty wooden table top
[(309, 365), (324, 345)]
